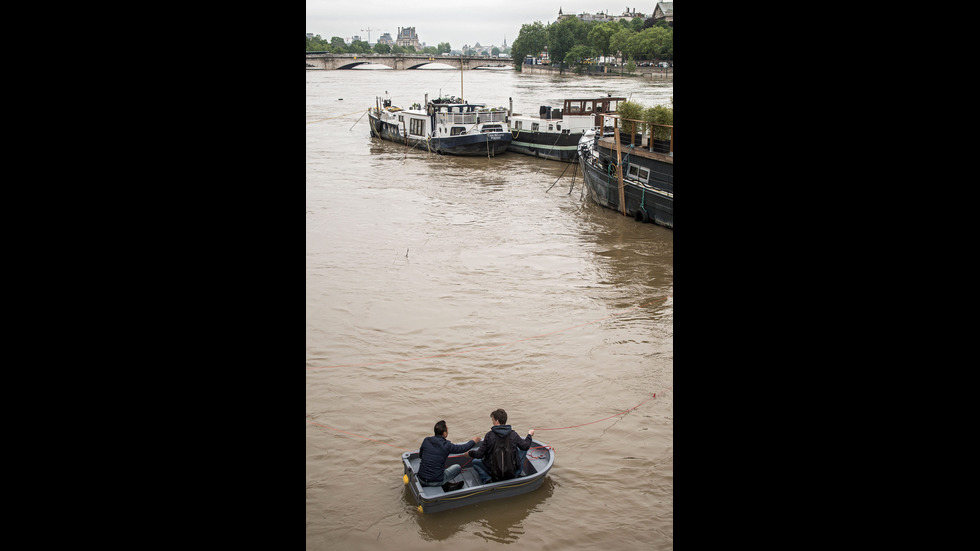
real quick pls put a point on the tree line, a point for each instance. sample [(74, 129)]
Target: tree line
[(573, 41)]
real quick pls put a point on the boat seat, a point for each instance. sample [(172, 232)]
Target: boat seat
[(469, 477)]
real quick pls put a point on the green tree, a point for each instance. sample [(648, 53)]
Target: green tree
[(660, 114), (619, 41), (651, 43), (634, 112), (565, 34), (382, 48), (317, 44), (532, 40), (578, 54), (444, 48), (600, 34), (338, 44), (655, 23), (359, 47)]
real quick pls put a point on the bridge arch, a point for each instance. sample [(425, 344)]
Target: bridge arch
[(357, 63)]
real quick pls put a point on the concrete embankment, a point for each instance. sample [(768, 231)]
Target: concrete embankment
[(663, 74)]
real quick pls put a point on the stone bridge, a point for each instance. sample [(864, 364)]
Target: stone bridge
[(401, 61)]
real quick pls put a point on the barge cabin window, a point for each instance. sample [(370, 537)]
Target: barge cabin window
[(639, 173)]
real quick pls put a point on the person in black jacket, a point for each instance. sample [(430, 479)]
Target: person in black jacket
[(497, 431), (433, 453)]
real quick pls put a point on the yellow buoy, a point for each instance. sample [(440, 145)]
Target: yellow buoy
[(420, 509), (405, 479)]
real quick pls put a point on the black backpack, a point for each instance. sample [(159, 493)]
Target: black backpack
[(502, 465)]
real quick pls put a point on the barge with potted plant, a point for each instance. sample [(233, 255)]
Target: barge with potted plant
[(629, 174)]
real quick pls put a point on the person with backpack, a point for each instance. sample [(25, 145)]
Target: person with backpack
[(501, 455), (433, 454)]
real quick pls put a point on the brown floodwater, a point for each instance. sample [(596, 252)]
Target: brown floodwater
[(446, 287)]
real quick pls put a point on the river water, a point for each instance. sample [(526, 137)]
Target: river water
[(447, 287)]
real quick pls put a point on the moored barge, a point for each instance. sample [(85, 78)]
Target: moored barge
[(445, 126), (555, 133), (633, 180)]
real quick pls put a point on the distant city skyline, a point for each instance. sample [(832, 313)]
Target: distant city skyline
[(436, 21), (376, 36), (392, 40)]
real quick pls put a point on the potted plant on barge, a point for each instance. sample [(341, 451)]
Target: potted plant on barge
[(629, 113), (658, 115)]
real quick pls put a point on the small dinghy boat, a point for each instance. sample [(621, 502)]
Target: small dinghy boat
[(538, 461)]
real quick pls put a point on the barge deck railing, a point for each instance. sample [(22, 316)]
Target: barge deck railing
[(641, 124)]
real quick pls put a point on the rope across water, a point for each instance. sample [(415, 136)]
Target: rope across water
[(446, 354), (314, 423)]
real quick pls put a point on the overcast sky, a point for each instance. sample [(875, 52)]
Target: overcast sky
[(455, 22)]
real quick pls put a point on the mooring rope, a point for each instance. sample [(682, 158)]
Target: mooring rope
[(337, 117), (611, 416), (574, 171), (556, 181)]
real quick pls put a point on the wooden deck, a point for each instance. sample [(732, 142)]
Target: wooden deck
[(639, 151)]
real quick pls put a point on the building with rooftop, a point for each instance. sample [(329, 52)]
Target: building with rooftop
[(603, 17), (664, 10), (407, 37)]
